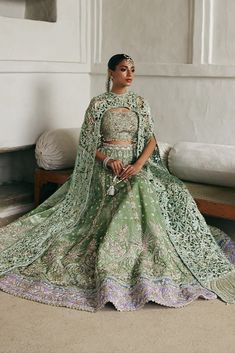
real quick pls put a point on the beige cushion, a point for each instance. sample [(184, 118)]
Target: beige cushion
[(57, 149), (204, 163)]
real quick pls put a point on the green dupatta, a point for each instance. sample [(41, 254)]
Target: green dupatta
[(185, 226)]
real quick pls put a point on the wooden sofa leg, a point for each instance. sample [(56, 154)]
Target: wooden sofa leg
[(38, 183)]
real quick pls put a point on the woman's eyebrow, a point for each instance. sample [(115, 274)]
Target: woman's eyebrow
[(132, 67)]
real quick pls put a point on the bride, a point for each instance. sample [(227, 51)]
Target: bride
[(122, 229)]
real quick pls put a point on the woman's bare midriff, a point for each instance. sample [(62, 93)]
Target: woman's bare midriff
[(119, 142)]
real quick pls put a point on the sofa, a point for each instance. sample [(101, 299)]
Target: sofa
[(208, 170)]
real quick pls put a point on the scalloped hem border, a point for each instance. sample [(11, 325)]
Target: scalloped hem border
[(124, 298)]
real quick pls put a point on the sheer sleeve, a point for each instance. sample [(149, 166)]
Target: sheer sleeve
[(147, 121), (88, 134)]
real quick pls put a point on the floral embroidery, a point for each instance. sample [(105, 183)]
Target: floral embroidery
[(82, 247)]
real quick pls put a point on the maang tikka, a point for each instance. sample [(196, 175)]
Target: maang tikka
[(128, 58)]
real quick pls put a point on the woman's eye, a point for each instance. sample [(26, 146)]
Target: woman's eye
[(133, 70), (123, 69)]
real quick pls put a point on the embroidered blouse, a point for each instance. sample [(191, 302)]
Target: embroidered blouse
[(119, 125)]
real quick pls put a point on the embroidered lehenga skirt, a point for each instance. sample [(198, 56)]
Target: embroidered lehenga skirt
[(118, 252)]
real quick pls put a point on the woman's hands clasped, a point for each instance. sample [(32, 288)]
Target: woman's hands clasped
[(124, 172), (116, 165), (130, 170)]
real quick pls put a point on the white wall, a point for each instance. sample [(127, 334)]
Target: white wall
[(33, 102), (127, 24), (223, 32), (184, 51), (13, 8), (44, 73)]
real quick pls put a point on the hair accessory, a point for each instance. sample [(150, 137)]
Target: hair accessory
[(127, 57), (116, 59)]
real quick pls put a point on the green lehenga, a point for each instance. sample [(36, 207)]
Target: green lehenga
[(148, 242)]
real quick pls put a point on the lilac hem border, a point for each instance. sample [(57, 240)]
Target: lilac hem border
[(125, 298)]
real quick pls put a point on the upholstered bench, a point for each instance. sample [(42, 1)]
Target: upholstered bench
[(213, 200), (207, 170)]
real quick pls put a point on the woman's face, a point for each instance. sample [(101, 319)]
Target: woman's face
[(123, 74)]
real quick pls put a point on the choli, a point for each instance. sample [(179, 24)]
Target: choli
[(119, 125)]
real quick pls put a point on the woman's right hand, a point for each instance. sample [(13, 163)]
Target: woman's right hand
[(116, 165)]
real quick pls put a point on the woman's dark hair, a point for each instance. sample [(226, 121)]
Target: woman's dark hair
[(116, 59), (112, 63)]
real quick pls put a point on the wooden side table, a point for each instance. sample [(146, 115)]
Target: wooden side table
[(42, 177)]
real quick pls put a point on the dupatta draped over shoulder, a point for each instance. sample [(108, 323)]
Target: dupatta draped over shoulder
[(26, 239)]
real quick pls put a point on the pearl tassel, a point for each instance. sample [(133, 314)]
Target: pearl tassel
[(111, 189)]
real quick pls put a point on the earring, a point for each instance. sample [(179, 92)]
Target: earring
[(108, 84)]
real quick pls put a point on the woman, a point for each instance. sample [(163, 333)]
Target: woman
[(122, 229)]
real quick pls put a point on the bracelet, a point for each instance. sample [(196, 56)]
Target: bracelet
[(105, 161)]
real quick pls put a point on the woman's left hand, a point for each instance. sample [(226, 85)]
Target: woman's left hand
[(130, 170)]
